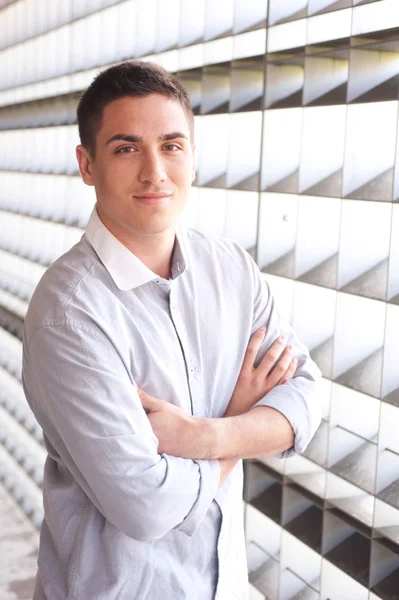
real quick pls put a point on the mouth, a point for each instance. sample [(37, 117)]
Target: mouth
[(154, 199)]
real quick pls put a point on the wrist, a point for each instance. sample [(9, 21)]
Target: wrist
[(219, 435), (206, 432)]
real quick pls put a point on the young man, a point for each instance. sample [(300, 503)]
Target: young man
[(137, 365)]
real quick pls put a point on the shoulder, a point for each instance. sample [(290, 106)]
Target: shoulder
[(220, 248), (66, 289)]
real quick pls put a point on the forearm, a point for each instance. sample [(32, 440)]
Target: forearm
[(262, 431)]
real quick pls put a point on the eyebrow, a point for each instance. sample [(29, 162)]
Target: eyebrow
[(134, 139)]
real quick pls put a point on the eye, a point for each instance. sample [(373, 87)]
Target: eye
[(120, 151), (171, 146)]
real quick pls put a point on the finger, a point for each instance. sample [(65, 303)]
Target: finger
[(253, 348), (290, 372), (141, 393), (271, 357), (281, 367), (149, 402)]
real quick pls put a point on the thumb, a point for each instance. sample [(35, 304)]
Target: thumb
[(149, 402)]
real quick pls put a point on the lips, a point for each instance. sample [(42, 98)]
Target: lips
[(154, 199), (153, 195)]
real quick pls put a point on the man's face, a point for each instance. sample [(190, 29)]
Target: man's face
[(141, 183)]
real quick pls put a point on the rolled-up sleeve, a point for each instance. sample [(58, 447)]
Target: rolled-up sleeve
[(86, 402), (298, 399)]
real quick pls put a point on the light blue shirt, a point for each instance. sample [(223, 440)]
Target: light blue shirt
[(121, 521)]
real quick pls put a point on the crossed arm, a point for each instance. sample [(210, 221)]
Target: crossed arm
[(261, 432), (242, 433)]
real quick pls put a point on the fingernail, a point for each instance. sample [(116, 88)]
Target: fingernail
[(262, 330), (283, 338)]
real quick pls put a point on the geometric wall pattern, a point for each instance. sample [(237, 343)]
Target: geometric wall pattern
[(296, 105)]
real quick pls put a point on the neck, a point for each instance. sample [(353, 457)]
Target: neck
[(153, 249)]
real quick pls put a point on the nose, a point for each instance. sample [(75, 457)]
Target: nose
[(152, 169)]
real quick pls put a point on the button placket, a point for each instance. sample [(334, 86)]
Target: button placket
[(185, 353)]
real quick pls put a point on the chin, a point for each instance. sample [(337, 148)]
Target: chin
[(156, 226)]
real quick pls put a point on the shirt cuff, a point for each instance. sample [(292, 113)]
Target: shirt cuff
[(209, 483), (277, 399)]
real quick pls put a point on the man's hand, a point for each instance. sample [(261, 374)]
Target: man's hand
[(179, 433), (255, 382)]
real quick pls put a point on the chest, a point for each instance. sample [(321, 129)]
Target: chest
[(186, 341)]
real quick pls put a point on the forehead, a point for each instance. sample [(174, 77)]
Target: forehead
[(144, 115)]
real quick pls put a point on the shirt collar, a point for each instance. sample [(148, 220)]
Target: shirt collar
[(125, 268)]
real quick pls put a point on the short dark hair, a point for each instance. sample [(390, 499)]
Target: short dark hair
[(129, 78)]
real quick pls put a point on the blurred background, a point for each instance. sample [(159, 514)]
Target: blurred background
[(296, 105)]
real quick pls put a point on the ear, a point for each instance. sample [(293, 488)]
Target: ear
[(85, 164)]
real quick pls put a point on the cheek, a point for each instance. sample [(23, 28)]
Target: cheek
[(112, 181), (118, 174), (181, 172)]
